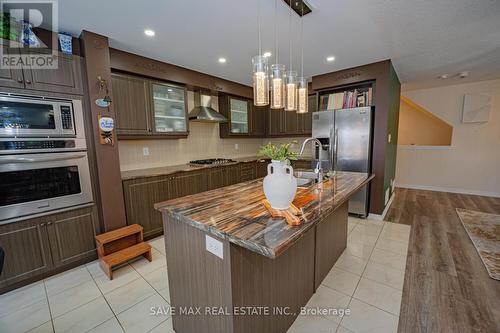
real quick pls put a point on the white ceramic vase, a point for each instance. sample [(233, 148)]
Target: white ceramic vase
[(279, 185)]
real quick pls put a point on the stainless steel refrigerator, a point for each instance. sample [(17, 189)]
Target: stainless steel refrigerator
[(346, 137)]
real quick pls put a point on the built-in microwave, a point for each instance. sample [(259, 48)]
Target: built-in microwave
[(23, 116)]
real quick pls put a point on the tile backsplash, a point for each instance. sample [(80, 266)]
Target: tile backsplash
[(203, 142)]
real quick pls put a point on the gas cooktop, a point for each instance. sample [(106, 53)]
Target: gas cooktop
[(211, 161)]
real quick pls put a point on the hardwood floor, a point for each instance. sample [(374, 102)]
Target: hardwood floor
[(447, 288)]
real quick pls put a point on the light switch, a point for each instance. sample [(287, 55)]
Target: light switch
[(214, 246), (145, 151)]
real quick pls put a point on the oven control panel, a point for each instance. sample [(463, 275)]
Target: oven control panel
[(41, 144), (66, 117)]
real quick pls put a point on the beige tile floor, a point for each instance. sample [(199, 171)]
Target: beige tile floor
[(367, 279)]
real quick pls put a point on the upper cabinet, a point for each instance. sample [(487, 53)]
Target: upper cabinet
[(245, 120), (146, 108), (169, 109), (66, 78)]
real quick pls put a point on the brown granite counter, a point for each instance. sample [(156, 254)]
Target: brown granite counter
[(171, 169), (236, 212)]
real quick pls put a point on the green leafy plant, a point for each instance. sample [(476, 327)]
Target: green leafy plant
[(281, 153)]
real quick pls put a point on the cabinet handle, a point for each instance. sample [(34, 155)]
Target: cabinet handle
[(20, 80), (28, 81)]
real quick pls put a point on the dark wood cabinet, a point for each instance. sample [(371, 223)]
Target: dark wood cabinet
[(245, 119), (38, 247), (27, 250), (248, 171), (223, 176), (259, 121), (141, 195), (189, 183), (66, 78), (301, 164), (148, 109), (71, 235), (261, 168), (131, 104)]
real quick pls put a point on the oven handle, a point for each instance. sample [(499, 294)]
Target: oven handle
[(22, 159)]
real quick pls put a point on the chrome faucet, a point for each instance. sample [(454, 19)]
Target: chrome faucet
[(318, 170)]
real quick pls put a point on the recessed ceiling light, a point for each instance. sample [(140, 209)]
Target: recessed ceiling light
[(463, 75), (149, 32), (444, 76), (222, 60), (330, 58), (267, 54)]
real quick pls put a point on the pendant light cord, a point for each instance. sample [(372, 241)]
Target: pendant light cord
[(276, 28), (258, 24), (302, 41), (290, 31)]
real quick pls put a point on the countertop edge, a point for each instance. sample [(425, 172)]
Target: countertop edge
[(265, 251)]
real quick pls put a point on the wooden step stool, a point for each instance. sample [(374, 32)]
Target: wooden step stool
[(121, 245)]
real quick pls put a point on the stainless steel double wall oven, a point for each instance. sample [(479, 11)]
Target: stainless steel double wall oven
[(43, 155)]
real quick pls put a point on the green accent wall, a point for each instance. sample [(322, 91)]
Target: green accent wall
[(392, 129)]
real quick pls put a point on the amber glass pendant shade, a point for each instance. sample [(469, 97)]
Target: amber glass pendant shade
[(277, 86), (302, 96)]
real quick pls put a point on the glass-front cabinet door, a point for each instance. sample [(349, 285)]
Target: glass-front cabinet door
[(169, 109), (239, 115)]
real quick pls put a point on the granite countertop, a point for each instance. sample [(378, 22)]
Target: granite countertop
[(236, 212), (171, 169)]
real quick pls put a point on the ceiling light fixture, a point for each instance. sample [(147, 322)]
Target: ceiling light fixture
[(463, 74), (444, 76), (267, 54), (277, 71), (291, 75), (222, 60), (260, 73), (302, 93), (330, 58), (149, 32)]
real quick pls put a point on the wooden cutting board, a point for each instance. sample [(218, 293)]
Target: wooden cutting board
[(293, 213)]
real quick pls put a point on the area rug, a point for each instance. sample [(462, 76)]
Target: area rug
[(484, 231)]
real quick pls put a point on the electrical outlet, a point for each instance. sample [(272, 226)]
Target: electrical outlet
[(236, 146), (145, 151), (214, 246), (389, 137)]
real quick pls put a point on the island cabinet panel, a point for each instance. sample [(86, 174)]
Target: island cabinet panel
[(27, 250), (140, 196), (331, 241), (241, 278), (284, 282), (72, 235), (204, 277)]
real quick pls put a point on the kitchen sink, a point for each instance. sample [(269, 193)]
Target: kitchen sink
[(305, 178)]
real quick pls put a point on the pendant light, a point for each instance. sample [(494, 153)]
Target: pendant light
[(302, 94), (291, 76), (277, 72), (260, 74)]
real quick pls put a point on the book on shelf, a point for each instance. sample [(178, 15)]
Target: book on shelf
[(346, 99)]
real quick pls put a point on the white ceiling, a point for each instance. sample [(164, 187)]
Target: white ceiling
[(424, 38)]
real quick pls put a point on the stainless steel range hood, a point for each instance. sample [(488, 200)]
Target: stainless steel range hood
[(203, 111)]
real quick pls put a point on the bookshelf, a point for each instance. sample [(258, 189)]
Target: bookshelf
[(346, 97)]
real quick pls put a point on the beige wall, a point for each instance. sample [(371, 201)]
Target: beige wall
[(203, 142), (472, 163), (418, 126)]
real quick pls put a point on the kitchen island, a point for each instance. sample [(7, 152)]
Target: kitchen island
[(232, 268)]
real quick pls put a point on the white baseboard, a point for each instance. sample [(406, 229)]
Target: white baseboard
[(386, 209), (448, 189)]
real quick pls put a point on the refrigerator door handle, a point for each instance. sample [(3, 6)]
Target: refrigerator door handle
[(335, 147)]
